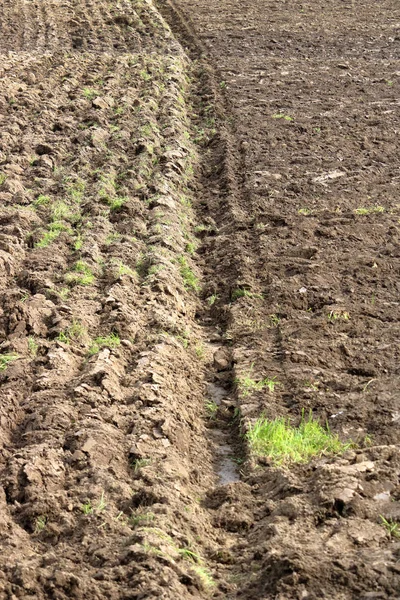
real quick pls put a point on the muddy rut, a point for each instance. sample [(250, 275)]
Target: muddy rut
[(190, 195)]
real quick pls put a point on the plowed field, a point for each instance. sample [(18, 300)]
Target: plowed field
[(199, 225)]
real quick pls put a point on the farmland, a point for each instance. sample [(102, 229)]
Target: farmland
[(199, 302)]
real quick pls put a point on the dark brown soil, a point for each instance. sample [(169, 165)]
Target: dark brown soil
[(216, 187)]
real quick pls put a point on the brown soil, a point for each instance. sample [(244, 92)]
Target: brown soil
[(216, 187)]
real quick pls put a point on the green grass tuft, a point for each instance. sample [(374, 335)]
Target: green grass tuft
[(109, 341), (283, 443), (6, 359), (190, 280), (81, 274)]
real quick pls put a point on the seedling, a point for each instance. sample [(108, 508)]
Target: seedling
[(102, 504), (243, 293), (78, 243), (391, 527), (212, 409), (275, 320), (282, 116), (304, 211), (190, 248), (200, 351), (6, 359), (3, 177), (137, 519), (81, 274), (140, 463), (369, 210), (110, 341), (190, 280), (212, 299), (247, 385), (32, 346), (205, 576), (282, 443), (190, 555), (42, 200), (89, 93), (87, 508), (338, 315), (124, 270), (40, 523)]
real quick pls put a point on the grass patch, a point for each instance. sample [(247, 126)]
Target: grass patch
[(283, 443), (242, 293), (247, 384), (204, 575), (81, 274), (391, 527), (109, 341), (369, 210), (190, 280), (6, 359), (42, 200)]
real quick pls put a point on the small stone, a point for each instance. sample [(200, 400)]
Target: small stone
[(88, 445)]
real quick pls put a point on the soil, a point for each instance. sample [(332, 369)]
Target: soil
[(190, 194)]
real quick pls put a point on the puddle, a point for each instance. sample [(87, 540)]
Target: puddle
[(226, 467)]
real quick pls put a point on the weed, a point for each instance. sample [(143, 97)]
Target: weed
[(190, 248), (212, 299), (87, 508), (137, 519), (89, 93), (282, 116), (185, 201), (78, 243), (370, 210), (212, 409), (81, 274), (102, 504), (3, 177), (42, 200), (275, 320), (111, 238), (47, 238), (64, 293), (63, 337), (139, 463), (60, 211), (242, 293), (222, 85), (304, 211), (283, 443), (338, 315), (201, 228), (116, 203), (145, 75), (391, 527), (40, 523), (205, 576), (124, 269), (190, 555), (190, 280), (76, 190), (200, 351), (6, 359), (247, 385), (110, 341), (32, 346)]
